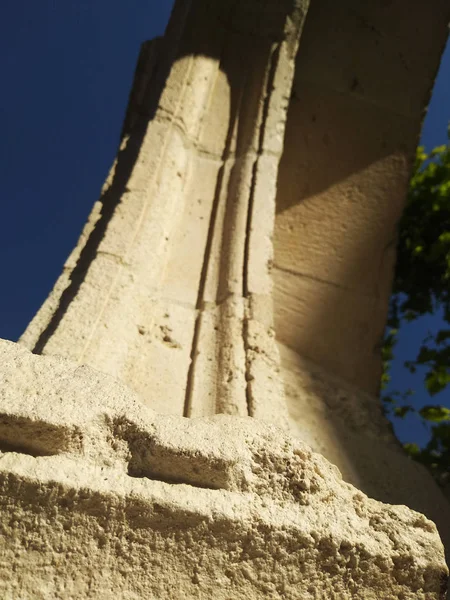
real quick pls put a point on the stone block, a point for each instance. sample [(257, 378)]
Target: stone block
[(103, 498)]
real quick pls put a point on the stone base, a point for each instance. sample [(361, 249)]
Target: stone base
[(102, 498)]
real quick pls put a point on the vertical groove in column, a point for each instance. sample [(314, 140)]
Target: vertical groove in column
[(245, 287), (185, 341)]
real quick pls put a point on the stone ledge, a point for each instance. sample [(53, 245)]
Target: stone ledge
[(103, 498)]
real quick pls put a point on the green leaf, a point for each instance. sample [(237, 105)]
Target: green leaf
[(410, 315), (410, 365), (437, 379), (412, 449), (438, 150), (443, 336), (426, 354), (436, 414), (402, 411)]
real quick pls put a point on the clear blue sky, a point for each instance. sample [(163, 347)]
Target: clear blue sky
[(66, 71)]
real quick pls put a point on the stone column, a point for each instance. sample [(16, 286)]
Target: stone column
[(169, 287)]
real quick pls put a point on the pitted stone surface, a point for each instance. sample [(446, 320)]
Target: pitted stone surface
[(180, 242), (102, 498), (253, 119), (170, 291)]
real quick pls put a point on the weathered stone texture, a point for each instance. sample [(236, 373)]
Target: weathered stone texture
[(169, 288), (347, 426), (102, 498), (363, 76), (169, 294), (364, 72)]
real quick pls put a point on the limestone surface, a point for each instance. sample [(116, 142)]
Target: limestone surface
[(103, 498), (169, 286), (248, 120), (363, 76)]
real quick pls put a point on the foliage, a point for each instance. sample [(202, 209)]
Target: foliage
[(422, 286)]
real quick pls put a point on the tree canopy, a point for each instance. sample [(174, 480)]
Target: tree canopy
[(422, 286)]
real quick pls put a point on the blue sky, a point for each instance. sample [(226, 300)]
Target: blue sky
[(67, 68)]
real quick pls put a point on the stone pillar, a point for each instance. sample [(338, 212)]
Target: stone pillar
[(169, 286)]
